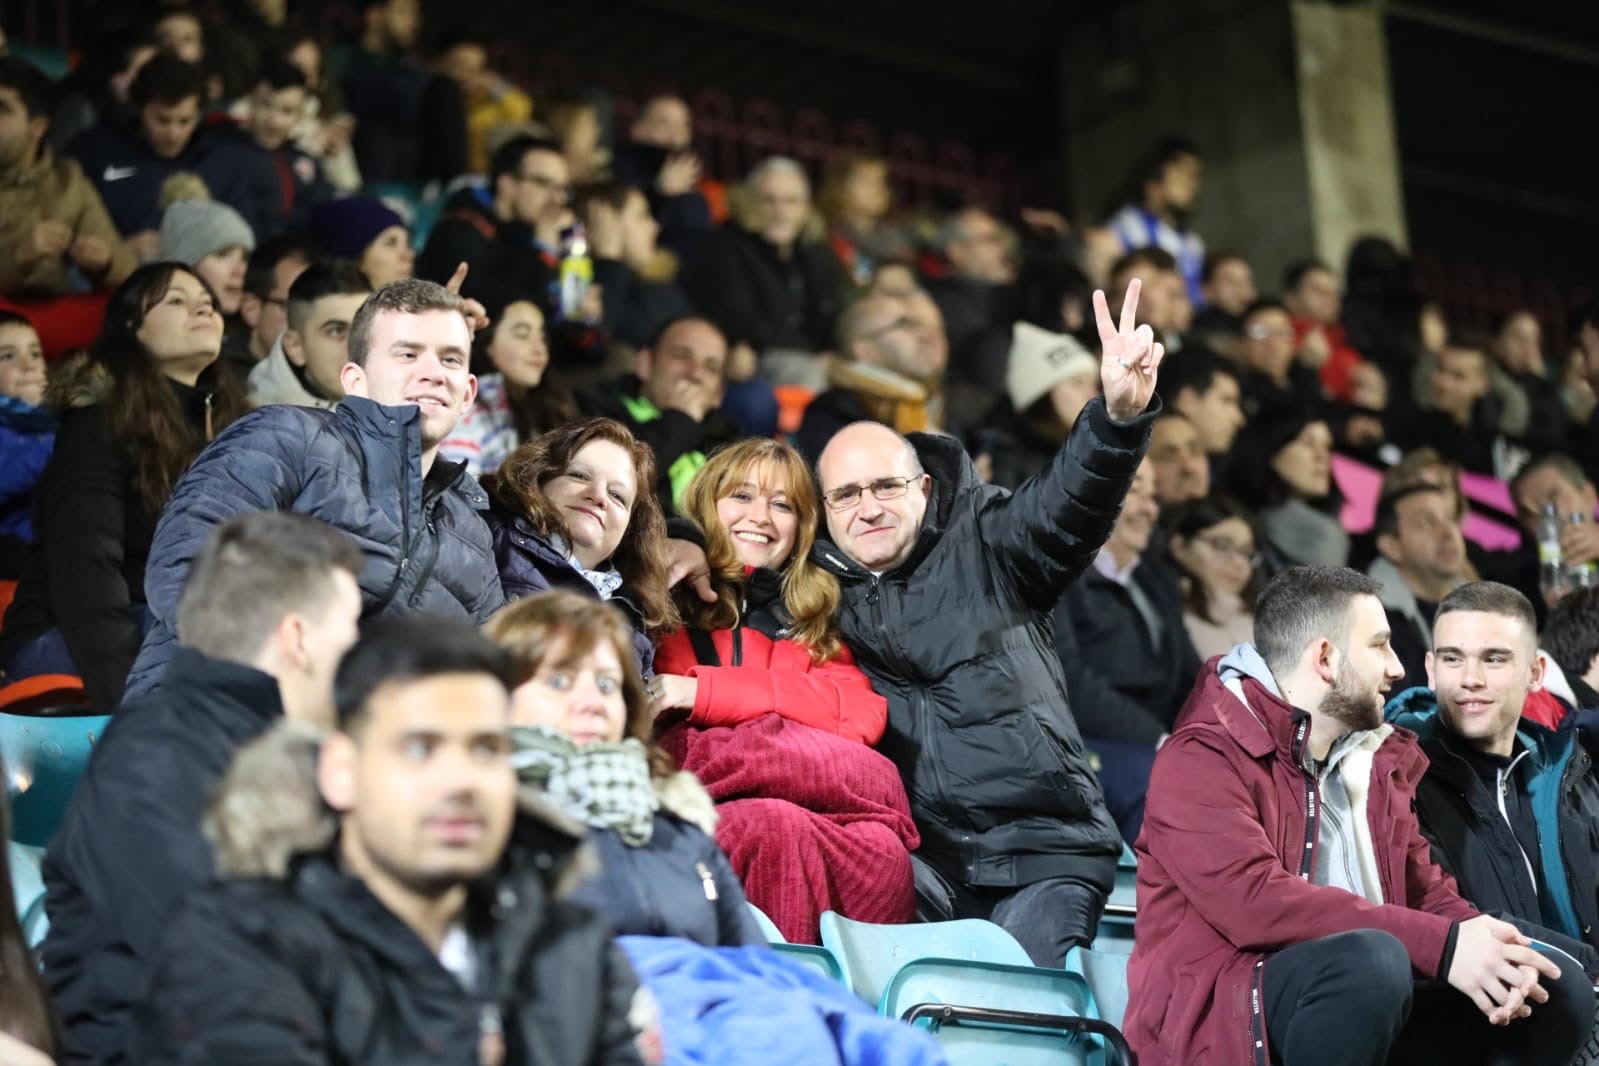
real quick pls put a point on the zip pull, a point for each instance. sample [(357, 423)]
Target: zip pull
[(210, 433), (490, 1037), (708, 881)]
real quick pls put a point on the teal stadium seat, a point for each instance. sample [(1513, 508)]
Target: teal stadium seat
[(44, 758), (768, 927)]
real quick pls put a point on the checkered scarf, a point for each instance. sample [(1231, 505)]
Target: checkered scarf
[(604, 786)]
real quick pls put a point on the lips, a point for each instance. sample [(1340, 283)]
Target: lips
[(428, 401), (456, 829), (751, 537), (589, 513)]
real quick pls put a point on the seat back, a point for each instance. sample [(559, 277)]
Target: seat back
[(44, 758), (872, 954), (1106, 974), (773, 934), (820, 959), (1115, 935), (27, 882)]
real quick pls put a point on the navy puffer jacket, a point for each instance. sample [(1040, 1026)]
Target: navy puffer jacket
[(358, 468)]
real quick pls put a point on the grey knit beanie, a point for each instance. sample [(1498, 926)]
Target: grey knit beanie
[(194, 229)]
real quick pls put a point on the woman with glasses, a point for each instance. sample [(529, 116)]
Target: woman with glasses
[(1213, 542), (762, 701), (574, 510)]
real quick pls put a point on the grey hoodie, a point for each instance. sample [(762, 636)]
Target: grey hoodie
[(274, 380)]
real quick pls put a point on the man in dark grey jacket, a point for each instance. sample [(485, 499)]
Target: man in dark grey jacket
[(368, 467), (948, 589)]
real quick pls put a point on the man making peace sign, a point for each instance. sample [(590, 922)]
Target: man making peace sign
[(948, 587)]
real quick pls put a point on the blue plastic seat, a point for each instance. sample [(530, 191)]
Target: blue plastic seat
[(872, 954), (27, 882), (44, 758), (819, 958), (768, 927), (1106, 974)]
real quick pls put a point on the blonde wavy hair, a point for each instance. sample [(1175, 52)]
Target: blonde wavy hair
[(810, 594)]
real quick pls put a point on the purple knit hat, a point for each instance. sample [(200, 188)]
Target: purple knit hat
[(343, 229)]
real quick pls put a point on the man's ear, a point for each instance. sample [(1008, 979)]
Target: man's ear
[(644, 364), (294, 348), (1326, 660), (1432, 681), (335, 772), (353, 378), (1388, 547), (250, 308), (1540, 667)]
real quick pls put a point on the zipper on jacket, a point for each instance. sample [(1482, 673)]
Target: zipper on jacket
[(707, 880), (1307, 862), (433, 558), (1257, 1013)]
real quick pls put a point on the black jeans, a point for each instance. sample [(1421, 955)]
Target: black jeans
[(1047, 918), (1350, 1000)]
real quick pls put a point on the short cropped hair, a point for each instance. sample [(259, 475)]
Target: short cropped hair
[(396, 649), (32, 86), (1306, 603), (1196, 370), (1298, 270), (1571, 636), (412, 296), (327, 277), (1490, 597), (1387, 523), (263, 268), (167, 80), (507, 159), (255, 570)]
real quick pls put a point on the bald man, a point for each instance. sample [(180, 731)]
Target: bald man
[(948, 585)]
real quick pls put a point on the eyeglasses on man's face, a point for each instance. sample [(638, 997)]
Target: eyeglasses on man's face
[(884, 488)]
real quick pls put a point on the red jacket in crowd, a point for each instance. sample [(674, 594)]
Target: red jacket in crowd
[(1224, 871)]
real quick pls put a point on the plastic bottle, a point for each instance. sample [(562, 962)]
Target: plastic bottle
[(575, 274), (1552, 577), (1586, 575)]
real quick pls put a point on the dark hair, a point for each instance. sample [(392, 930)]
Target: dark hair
[(395, 649), (1265, 303), (35, 90), (640, 556), (672, 323), (323, 278), (1387, 524), (16, 318), (262, 271), (255, 569), (1167, 151), (1250, 475), (1561, 463), (613, 194), (278, 74), (108, 55), (1043, 286), (24, 1006), (413, 296), (1188, 520), (1466, 339), (1195, 369), (1214, 261), (144, 412), (1490, 597), (1297, 271), (1158, 259), (1571, 636), (167, 80), (507, 159), (1306, 603), (533, 411)]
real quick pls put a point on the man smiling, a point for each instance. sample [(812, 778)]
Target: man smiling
[(368, 467)]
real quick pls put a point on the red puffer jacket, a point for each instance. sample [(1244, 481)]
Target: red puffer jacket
[(1224, 866), (762, 673)]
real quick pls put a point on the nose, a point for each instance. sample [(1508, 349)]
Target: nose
[(587, 699), (870, 506), (1393, 669)]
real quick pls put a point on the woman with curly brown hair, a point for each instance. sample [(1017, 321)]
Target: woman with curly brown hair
[(574, 509), (776, 718), (136, 412)]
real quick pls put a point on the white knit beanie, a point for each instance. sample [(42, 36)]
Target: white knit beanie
[(1040, 360), (194, 229)]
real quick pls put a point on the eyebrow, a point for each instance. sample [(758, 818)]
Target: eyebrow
[(1451, 650)]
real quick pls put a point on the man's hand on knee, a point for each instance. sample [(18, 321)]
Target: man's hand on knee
[(1499, 970)]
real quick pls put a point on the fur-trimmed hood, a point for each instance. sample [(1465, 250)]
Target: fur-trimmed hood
[(268, 810), (79, 382), (682, 794)]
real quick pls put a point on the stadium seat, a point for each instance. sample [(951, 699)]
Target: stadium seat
[(873, 954), (769, 927), (1106, 974), (27, 882), (44, 758), (819, 958)]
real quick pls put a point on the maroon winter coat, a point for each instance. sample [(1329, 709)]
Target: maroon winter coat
[(1224, 866)]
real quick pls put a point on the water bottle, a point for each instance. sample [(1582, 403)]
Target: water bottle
[(1585, 576), (575, 274), (1552, 577)]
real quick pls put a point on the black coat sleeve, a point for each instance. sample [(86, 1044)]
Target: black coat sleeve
[(1048, 531), (1101, 711)]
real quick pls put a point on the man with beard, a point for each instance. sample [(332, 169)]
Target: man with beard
[(1289, 911)]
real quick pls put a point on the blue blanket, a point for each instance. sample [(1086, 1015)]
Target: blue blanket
[(726, 1006)]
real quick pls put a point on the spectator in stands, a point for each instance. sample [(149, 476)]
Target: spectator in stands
[(215, 242), (1560, 480), (584, 726), (1272, 377), (328, 126), (129, 161), (271, 608), (367, 467), (763, 701), (264, 305), (306, 364), (1205, 388), (1422, 559), (571, 510), (1513, 854), (574, 124), (27, 434), (1314, 305), (98, 85), (1227, 288), (1162, 305), (55, 235), (1177, 457), (519, 396), (973, 294), (1159, 205), (242, 41), (886, 371), (135, 414), (1281, 468), (1465, 417), (387, 865), (27, 1024), (672, 403), (1268, 920), (509, 229), (1518, 347), (492, 102), (659, 157), (1424, 466), (410, 124), (639, 282), (1127, 658), (369, 233), (1213, 542), (855, 201), (279, 103), (768, 283), (1025, 838), (1571, 637)]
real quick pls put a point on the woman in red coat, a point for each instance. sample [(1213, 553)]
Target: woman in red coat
[(760, 699)]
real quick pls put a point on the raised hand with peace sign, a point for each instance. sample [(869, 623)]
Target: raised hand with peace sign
[(1130, 356)]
